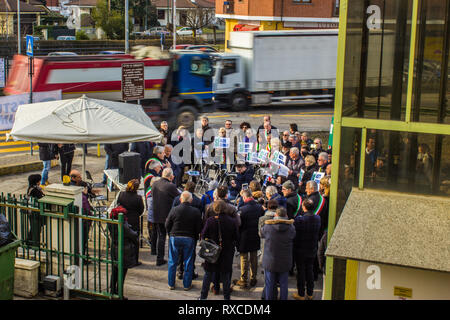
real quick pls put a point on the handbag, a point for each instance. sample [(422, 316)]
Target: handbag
[(209, 250)]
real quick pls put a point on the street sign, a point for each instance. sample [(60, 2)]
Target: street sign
[(30, 43), (133, 85)]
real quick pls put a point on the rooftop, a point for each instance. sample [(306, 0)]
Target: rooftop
[(401, 229)]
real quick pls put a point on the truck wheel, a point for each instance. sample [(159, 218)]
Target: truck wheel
[(186, 117), (239, 102)]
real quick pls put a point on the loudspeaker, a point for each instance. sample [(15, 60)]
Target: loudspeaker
[(129, 166)]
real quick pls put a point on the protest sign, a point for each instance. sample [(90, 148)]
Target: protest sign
[(220, 142), (244, 147)]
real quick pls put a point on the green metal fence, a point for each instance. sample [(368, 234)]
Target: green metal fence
[(84, 250)]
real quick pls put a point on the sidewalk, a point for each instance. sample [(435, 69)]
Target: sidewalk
[(147, 281)]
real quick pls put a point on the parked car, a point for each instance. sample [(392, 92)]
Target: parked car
[(62, 53), (187, 31), (111, 52), (66, 38), (157, 31), (202, 48)]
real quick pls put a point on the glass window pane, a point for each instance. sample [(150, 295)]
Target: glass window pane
[(407, 162), (376, 61), (430, 63)]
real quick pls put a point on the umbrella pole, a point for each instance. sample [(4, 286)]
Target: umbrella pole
[(84, 162)]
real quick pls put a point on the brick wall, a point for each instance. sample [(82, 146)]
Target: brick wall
[(316, 9)]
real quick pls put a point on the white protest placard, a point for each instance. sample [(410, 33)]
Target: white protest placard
[(278, 158), (263, 155), (253, 158), (244, 147), (283, 171), (300, 177), (317, 176), (220, 142)]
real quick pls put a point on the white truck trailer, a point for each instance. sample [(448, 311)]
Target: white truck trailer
[(276, 67)]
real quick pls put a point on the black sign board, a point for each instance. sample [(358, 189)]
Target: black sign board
[(133, 85)]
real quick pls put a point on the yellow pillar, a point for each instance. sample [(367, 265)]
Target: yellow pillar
[(229, 25)]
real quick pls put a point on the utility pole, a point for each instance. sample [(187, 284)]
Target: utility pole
[(174, 23), (18, 26), (126, 27)]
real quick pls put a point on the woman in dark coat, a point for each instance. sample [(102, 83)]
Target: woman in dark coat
[(224, 265), (134, 204), (130, 243), (36, 222), (310, 168)]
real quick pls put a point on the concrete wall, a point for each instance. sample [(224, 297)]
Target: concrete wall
[(424, 285)]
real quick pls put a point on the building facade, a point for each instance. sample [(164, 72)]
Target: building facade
[(165, 10), (277, 14), (30, 15), (391, 152)]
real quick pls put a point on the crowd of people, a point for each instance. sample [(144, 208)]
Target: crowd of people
[(274, 221), (281, 217)]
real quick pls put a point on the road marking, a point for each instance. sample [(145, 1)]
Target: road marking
[(306, 115), (18, 149), (14, 143), (224, 116)]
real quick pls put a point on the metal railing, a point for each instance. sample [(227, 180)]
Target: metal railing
[(91, 245)]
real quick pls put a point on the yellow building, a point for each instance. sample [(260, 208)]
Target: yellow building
[(389, 218)]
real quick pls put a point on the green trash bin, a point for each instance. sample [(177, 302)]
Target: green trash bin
[(7, 261)]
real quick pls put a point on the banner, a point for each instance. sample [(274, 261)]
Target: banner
[(2, 73), (9, 105)]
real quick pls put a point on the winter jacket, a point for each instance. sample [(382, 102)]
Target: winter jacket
[(130, 242), (307, 229), (47, 151), (163, 192), (184, 221), (249, 239), (293, 205), (113, 151), (282, 201), (279, 235), (134, 205), (229, 238), (145, 150)]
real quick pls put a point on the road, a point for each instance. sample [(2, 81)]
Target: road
[(308, 116), (311, 117)]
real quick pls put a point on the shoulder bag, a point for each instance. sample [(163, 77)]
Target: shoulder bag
[(209, 250)]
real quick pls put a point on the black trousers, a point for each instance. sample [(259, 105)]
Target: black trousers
[(305, 275), (115, 279), (161, 241), (137, 229), (66, 164)]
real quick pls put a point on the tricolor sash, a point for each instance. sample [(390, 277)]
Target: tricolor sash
[(299, 205), (320, 205)]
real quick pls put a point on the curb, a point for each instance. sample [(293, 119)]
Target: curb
[(24, 167)]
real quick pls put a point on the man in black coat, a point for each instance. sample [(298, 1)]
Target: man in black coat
[(163, 192), (113, 150), (145, 150), (249, 241), (245, 175), (307, 227), (293, 200), (184, 225)]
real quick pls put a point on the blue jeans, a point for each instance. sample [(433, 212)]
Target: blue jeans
[(45, 170), (225, 278), (184, 246), (271, 280), (106, 167)]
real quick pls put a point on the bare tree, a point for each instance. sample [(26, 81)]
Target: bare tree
[(198, 18)]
